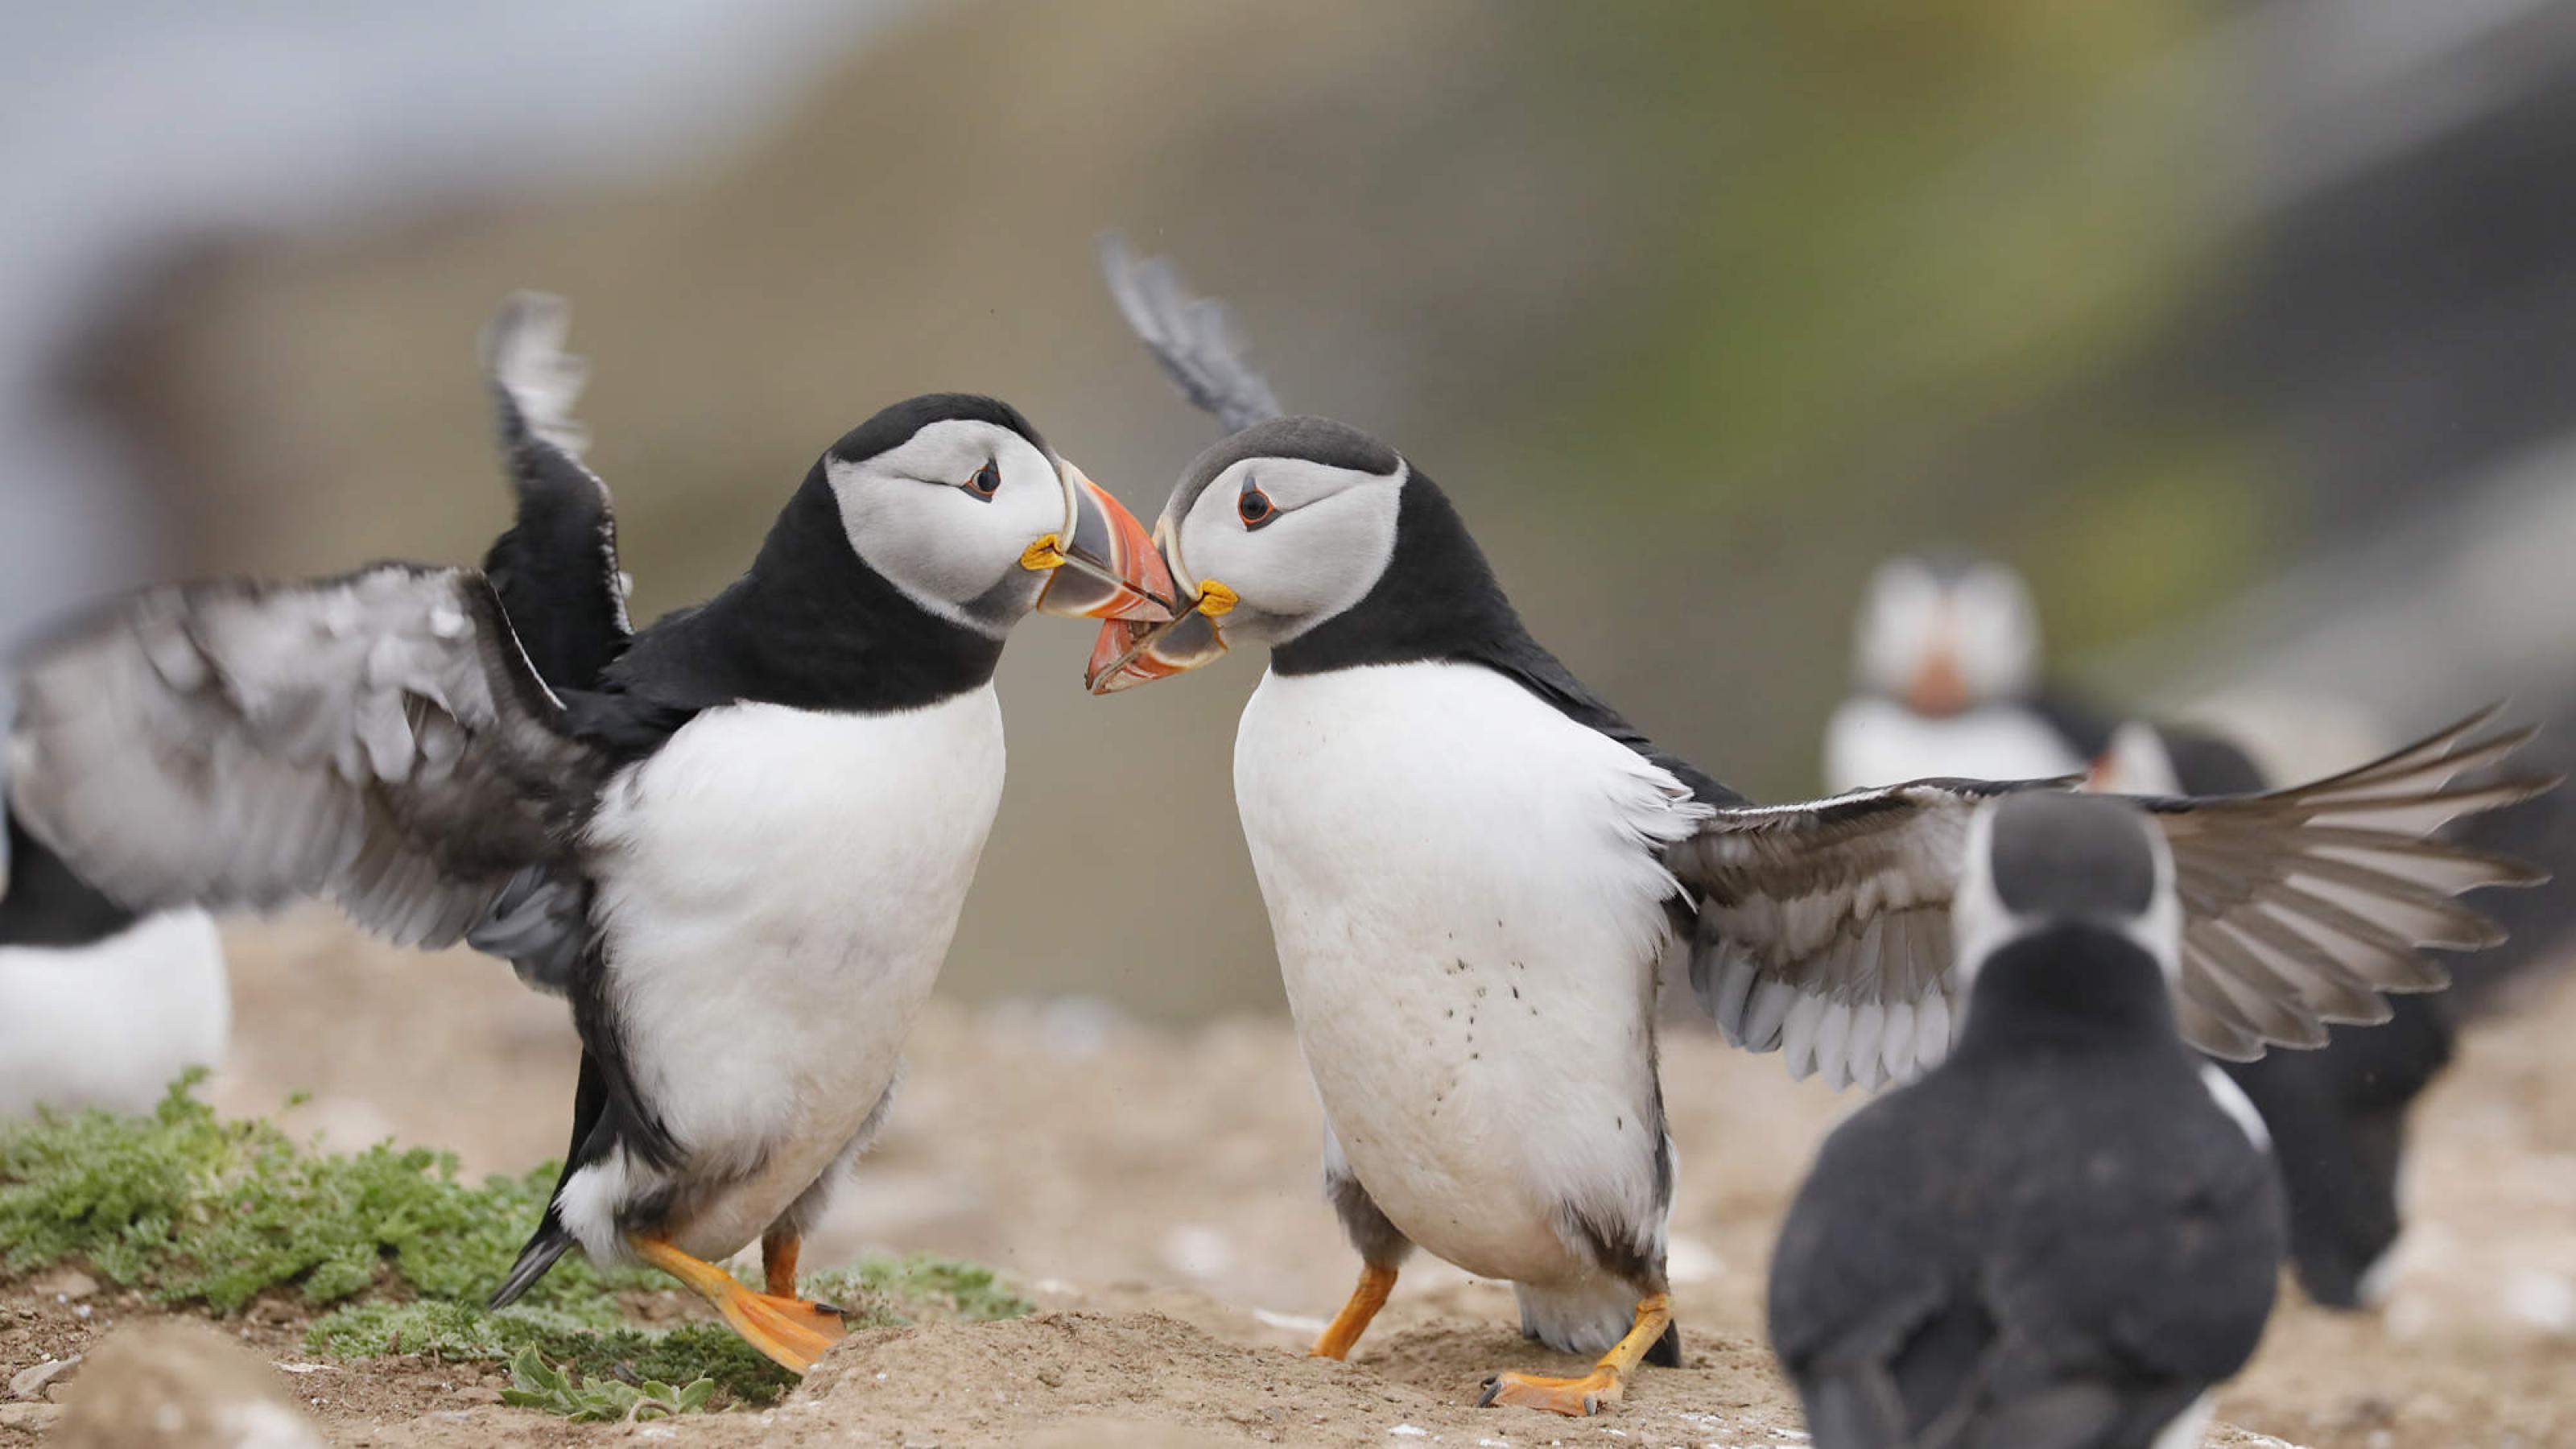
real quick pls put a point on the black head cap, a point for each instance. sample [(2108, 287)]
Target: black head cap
[(1316, 440), (894, 426), (2060, 855)]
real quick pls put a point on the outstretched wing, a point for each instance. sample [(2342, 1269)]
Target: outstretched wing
[(556, 569), (1194, 338), (377, 741), (1823, 928)]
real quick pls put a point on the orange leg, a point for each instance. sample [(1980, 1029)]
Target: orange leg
[(1347, 1326), (787, 1328), (1597, 1390), (778, 1250)]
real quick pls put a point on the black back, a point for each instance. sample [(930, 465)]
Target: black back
[(2056, 1238), (810, 625), (1439, 600)]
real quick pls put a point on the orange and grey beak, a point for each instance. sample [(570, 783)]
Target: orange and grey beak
[(1129, 653), (1104, 565), (1940, 687)]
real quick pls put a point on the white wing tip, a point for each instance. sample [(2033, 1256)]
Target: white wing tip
[(523, 349)]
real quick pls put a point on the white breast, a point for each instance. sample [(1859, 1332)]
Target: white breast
[(110, 1025), (1468, 907), (1877, 741), (779, 893)]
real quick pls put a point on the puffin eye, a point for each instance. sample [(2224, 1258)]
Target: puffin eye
[(986, 482), (1254, 507)]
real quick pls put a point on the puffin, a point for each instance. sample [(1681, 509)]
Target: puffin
[(1472, 866), (1945, 669), (1946, 664), (738, 839), (2085, 1276)]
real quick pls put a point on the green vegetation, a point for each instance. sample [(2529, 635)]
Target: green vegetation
[(191, 1210), (535, 1384)]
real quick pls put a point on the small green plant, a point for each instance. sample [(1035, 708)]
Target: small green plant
[(465, 1333), (191, 1209), (535, 1384)]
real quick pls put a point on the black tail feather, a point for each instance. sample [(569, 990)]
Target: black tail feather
[(591, 1139), (550, 1243)]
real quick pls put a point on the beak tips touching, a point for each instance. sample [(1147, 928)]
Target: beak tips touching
[(1128, 654), (1114, 570)]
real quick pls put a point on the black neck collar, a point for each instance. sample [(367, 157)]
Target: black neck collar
[(1439, 601), (811, 625), (2070, 984)]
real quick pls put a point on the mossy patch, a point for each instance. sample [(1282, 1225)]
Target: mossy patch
[(193, 1210)]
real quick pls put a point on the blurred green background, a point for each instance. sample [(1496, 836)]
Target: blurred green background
[(1697, 309)]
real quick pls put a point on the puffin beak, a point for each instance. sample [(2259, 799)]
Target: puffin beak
[(1104, 565), (1938, 688), (1128, 653)]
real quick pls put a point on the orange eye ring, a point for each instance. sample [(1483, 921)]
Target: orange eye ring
[(1254, 507), (986, 482)]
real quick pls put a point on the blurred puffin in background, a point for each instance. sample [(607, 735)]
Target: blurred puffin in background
[(1946, 681), (100, 1006), (739, 838)]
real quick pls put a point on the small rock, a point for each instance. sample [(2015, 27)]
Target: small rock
[(70, 1285), (34, 1418), (174, 1384), (477, 1394), (29, 1383)]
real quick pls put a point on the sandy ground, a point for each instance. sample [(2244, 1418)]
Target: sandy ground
[(1155, 1191)]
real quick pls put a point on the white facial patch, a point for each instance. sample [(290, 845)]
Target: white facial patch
[(1984, 620), (1324, 544), (910, 516), (1997, 630), (1899, 620)]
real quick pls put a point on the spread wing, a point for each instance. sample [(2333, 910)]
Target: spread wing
[(556, 570), (377, 741), (1823, 928), (1194, 338)]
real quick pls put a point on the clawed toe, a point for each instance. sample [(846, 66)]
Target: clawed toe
[(1574, 1398)]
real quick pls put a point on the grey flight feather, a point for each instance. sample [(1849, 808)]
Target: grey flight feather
[(376, 740), (2301, 906), (1194, 338)]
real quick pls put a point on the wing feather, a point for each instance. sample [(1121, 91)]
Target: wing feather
[(556, 569), (2301, 906), (377, 741), (1194, 338)]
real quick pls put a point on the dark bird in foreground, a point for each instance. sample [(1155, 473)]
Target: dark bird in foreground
[(739, 839), (1473, 864), (2067, 1232), (1947, 681)]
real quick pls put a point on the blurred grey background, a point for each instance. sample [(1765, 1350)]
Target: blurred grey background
[(2244, 329)]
